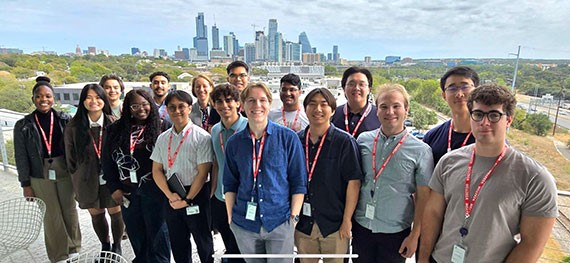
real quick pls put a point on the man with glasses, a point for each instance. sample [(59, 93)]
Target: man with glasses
[(291, 115), (358, 114), (489, 202), (238, 74), (456, 85)]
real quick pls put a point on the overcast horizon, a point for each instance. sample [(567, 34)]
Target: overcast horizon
[(406, 28)]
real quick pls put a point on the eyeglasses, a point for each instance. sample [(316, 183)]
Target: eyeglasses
[(180, 107), (493, 116), (136, 107), (353, 84), (235, 76), (455, 89)]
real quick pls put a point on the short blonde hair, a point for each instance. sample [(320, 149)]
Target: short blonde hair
[(393, 87), (260, 85), (195, 79)]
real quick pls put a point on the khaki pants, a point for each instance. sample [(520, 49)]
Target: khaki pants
[(61, 224), (317, 244)]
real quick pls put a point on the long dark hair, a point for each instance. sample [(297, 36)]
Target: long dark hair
[(122, 133), (81, 120)]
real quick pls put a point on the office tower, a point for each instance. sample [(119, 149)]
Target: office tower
[(271, 34), (292, 51), (92, 50), (279, 54), (186, 52), (336, 56), (329, 56), (135, 51), (236, 44), (261, 46), (249, 52), (201, 39), (78, 51), (229, 44), (304, 41), (215, 38), (314, 50)]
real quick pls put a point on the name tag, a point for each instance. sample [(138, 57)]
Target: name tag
[(250, 211), (133, 177), (370, 208), (126, 202), (458, 254), (307, 209), (192, 210), (51, 175), (101, 180)]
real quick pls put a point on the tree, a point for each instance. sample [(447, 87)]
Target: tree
[(330, 70), (519, 119), (538, 124), (422, 117)]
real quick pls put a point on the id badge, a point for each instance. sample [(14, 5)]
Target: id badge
[(250, 211), (307, 209), (458, 254), (370, 208), (126, 202), (51, 174), (192, 210), (133, 177), (101, 180)]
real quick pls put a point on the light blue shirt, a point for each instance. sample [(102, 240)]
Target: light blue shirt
[(411, 166), (218, 129)]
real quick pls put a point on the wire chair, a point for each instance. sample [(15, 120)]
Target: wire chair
[(97, 256), (21, 221)]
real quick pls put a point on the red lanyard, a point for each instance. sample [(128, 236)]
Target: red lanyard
[(172, 158), (366, 112), (97, 149), (312, 168), (222, 141), (469, 204), (134, 143), (387, 159), (163, 114), (449, 137), (46, 141), (285, 120), (256, 158)]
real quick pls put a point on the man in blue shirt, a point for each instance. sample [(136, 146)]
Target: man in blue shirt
[(226, 102), (358, 114), (456, 85), (334, 174), (265, 180)]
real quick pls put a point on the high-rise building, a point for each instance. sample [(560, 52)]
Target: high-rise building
[(329, 56), (305, 44), (279, 47), (92, 50), (271, 35), (215, 38), (314, 49), (336, 56), (186, 52), (78, 51), (236, 44), (201, 39), (229, 44), (261, 46), (249, 52), (135, 51), (292, 51)]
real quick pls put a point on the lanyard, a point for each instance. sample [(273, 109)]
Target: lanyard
[(222, 141), (205, 118), (449, 137), (134, 143), (46, 141), (366, 112), (172, 158), (469, 204), (256, 158), (285, 120), (312, 168), (97, 148), (387, 159)]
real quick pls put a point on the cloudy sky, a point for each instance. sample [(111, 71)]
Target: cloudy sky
[(417, 29)]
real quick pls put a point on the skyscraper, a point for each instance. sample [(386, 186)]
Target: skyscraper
[(201, 39), (236, 44), (135, 51), (229, 44), (215, 37), (261, 46), (271, 32), (304, 41), (335, 54), (292, 51), (249, 52)]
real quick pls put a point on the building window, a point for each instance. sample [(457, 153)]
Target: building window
[(75, 96), (65, 96), (58, 97)]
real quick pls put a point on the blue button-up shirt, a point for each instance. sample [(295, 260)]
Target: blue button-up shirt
[(218, 129), (282, 173)]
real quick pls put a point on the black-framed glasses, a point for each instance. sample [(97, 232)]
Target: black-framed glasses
[(493, 116), (455, 89), (136, 107), (235, 76)]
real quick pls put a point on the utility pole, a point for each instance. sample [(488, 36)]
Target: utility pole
[(516, 68), (560, 97)]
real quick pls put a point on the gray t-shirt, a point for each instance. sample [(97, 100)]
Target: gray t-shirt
[(518, 186), (276, 115)]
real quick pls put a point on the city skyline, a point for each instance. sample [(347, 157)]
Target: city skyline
[(491, 28)]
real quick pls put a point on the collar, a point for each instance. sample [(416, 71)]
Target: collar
[(236, 125), (269, 129), (99, 122), (188, 126), (393, 137), (330, 132), (361, 113)]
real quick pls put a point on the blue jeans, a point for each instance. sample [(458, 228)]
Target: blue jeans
[(146, 224)]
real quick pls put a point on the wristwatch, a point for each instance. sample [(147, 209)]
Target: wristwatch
[(295, 218), (189, 201)]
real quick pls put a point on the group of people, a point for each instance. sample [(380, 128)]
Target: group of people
[(312, 176)]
